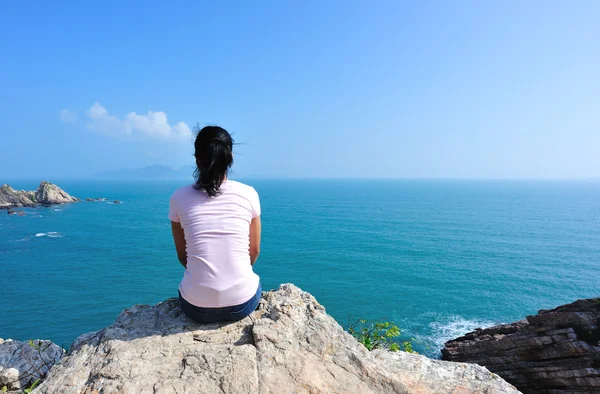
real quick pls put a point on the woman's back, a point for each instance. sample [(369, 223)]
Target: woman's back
[(217, 234)]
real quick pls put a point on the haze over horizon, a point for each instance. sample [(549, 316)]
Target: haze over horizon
[(494, 90), (164, 172)]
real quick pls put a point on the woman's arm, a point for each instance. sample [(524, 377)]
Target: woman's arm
[(255, 228), (179, 239)]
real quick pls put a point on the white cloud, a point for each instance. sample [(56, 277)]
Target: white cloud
[(68, 116), (153, 125), (182, 130), (101, 120)]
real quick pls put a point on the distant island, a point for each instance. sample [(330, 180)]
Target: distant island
[(150, 172)]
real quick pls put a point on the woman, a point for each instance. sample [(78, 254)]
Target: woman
[(216, 229)]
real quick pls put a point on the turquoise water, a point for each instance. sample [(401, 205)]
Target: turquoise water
[(437, 257)]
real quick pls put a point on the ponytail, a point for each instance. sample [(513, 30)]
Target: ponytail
[(214, 157)]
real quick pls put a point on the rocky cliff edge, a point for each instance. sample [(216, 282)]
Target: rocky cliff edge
[(289, 345), (555, 351)]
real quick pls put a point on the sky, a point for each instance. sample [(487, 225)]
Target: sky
[(311, 89)]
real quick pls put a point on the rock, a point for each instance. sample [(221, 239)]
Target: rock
[(289, 345), (116, 202), (10, 197), (19, 212), (46, 195), (96, 199), (21, 364), (555, 351)]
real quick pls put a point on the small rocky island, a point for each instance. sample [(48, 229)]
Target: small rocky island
[(46, 194)]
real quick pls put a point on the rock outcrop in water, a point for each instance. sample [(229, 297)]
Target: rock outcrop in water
[(289, 345), (22, 363), (555, 351), (46, 194)]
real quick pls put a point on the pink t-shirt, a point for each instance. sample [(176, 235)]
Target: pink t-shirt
[(217, 235)]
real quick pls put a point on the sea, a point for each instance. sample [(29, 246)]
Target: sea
[(436, 257)]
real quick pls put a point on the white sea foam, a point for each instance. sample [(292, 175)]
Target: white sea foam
[(436, 329), (453, 327), (50, 234), (57, 210)]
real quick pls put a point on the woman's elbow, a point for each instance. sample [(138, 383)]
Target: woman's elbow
[(254, 252)]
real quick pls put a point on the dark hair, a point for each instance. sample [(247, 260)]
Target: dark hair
[(214, 156)]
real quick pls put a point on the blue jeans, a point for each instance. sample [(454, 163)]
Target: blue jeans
[(227, 313)]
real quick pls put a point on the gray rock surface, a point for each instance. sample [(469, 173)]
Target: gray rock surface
[(555, 351), (96, 199), (22, 364), (289, 345), (10, 197), (46, 194)]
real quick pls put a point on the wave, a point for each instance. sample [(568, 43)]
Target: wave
[(433, 335), (50, 234), (57, 210), (454, 327)]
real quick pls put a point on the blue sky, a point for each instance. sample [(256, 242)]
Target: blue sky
[(464, 89)]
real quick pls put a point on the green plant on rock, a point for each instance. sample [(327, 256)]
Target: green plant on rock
[(407, 347), (378, 335), (30, 388)]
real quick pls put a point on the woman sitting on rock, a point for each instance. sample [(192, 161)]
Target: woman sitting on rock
[(216, 229)]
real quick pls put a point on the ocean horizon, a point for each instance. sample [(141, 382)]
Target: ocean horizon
[(439, 257), (32, 182)]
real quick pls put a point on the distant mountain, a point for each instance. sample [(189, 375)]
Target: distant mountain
[(151, 172)]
